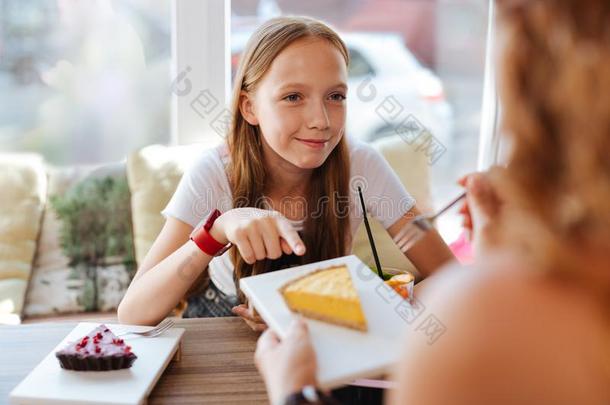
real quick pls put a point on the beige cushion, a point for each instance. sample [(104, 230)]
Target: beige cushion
[(23, 185), (96, 212), (154, 173)]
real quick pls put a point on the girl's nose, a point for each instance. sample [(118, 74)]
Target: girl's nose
[(318, 117)]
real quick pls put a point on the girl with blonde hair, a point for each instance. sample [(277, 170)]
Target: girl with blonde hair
[(281, 189)]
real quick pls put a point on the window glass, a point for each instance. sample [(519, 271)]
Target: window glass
[(84, 81)]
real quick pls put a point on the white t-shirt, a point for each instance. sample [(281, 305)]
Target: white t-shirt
[(205, 187)]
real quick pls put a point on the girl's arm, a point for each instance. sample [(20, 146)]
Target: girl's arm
[(430, 253), (172, 264)]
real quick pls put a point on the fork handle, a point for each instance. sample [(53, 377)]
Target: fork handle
[(451, 204)]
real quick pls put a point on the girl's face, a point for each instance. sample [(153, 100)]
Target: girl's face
[(299, 104)]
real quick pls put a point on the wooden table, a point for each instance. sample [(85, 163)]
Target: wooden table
[(216, 364)]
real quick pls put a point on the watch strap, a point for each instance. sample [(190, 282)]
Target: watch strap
[(205, 241), (309, 395)]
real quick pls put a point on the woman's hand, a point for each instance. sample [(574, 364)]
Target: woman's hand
[(482, 207), (258, 234), (251, 317), (288, 365)]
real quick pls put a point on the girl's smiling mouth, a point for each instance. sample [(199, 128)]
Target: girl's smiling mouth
[(314, 143)]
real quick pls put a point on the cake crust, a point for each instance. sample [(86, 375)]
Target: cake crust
[(334, 321)]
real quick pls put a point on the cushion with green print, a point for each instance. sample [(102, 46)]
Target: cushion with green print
[(85, 260)]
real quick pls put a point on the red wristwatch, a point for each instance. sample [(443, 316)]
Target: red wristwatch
[(202, 238)]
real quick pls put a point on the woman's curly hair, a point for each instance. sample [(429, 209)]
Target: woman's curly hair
[(555, 96)]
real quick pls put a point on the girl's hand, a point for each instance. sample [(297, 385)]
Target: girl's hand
[(258, 234), (251, 317), (288, 365)]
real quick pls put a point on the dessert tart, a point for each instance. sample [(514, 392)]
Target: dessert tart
[(327, 295), (100, 350)]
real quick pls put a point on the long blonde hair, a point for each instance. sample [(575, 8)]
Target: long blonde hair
[(325, 235)]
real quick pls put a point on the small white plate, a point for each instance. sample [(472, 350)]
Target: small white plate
[(48, 383)]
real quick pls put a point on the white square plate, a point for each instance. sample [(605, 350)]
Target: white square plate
[(48, 383), (343, 354)]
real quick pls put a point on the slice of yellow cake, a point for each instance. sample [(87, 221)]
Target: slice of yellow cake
[(326, 295)]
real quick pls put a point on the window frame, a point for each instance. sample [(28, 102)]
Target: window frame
[(489, 134), (200, 69)]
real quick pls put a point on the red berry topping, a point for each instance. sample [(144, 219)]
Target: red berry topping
[(98, 349), (99, 335), (84, 340), (127, 349)]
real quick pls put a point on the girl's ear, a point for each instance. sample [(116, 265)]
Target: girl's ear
[(246, 108)]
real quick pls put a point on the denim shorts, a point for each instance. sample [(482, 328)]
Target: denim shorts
[(210, 303)]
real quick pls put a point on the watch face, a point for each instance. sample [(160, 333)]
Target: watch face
[(210, 221), (310, 393)]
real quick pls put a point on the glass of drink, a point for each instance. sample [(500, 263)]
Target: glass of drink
[(402, 281)]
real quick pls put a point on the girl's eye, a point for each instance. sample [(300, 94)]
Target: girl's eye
[(292, 98), (337, 97)]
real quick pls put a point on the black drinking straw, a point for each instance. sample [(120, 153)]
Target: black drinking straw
[(370, 235)]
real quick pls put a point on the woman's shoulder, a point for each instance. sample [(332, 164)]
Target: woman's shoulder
[(501, 285), (505, 324)]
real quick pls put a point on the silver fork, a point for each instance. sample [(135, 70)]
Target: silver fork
[(156, 331), (415, 229)]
